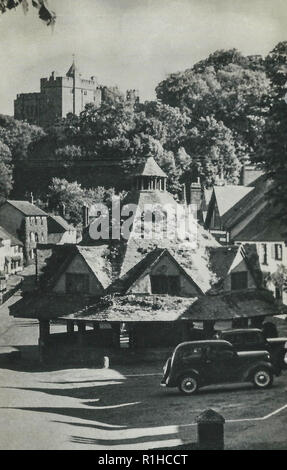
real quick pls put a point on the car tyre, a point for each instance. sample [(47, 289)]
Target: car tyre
[(262, 378), (188, 384)]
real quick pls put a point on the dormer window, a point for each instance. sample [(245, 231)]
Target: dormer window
[(161, 284)]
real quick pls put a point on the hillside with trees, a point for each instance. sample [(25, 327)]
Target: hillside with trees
[(207, 121)]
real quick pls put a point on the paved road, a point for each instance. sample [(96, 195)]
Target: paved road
[(123, 408)]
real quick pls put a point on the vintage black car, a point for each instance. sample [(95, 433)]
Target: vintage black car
[(253, 339), (195, 364)]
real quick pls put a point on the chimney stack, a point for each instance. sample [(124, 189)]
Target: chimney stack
[(31, 198), (85, 216)]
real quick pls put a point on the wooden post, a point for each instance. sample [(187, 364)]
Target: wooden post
[(210, 430), (208, 328), (44, 332), (81, 331), (70, 327)]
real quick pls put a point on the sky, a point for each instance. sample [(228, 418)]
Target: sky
[(130, 43)]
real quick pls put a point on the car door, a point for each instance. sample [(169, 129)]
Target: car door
[(219, 364)]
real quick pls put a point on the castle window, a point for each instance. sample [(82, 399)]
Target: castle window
[(161, 284), (77, 283), (239, 280)]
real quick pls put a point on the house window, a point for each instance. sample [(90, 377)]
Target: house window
[(264, 253), (278, 251), (239, 280), (77, 283), (165, 285)]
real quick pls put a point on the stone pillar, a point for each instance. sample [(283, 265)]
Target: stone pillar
[(210, 430)]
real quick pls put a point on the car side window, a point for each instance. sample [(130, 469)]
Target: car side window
[(188, 354)]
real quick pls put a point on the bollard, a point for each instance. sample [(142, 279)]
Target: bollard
[(106, 362), (210, 430)]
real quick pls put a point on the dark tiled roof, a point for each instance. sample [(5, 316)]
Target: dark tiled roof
[(235, 304), (27, 208), (264, 227), (49, 305)]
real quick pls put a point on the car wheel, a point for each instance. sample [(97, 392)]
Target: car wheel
[(262, 378), (188, 384)]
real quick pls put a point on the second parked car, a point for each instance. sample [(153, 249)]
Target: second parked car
[(252, 339)]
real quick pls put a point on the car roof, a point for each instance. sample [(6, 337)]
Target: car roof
[(205, 342), (242, 330)]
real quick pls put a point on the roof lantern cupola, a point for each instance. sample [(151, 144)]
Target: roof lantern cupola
[(150, 177)]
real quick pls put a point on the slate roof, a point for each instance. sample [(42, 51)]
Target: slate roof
[(150, 168), (57, 223), (122, 255), (228, 196), (95, 258), (247, 303), (8, 236), (27, 208), (123, 284), (249, 202), (72, 70)]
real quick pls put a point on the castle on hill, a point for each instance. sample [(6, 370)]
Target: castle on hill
[(59, 96)]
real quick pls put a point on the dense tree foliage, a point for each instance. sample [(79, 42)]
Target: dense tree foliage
[(6, 178), (73, 197), (273, 149)]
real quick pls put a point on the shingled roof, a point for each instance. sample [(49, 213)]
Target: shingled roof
[(27, 208), (130, 308), (150, 168)]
